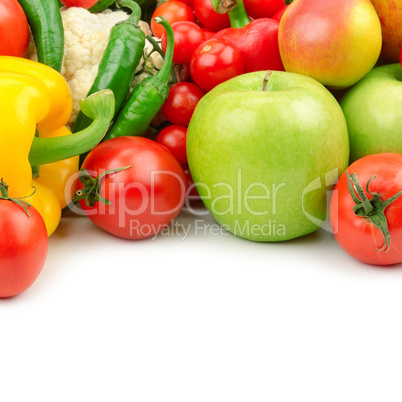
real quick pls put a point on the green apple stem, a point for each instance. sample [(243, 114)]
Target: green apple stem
[(371, 209), (287, 2), (265, 80)]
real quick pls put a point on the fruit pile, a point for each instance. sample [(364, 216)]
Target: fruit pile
[(278, 115)]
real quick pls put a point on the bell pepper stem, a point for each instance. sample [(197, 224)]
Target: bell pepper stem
[(238, 16), (100, 108), (223, 6)]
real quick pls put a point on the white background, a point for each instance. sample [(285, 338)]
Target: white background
[(212, 318)]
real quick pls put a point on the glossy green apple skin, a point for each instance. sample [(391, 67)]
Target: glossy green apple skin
[(373, 112), (277, 144)]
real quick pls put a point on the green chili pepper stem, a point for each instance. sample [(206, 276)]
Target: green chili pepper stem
[(164, 73), (45, 21), (99, 107), (135, 16), (238, 16)]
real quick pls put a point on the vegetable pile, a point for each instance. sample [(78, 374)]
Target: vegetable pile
[(114, 109)]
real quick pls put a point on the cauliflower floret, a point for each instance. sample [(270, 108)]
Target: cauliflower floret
[(85, 39)]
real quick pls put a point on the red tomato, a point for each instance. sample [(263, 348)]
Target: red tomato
[(355, 232), (173, 11), (263, 8), (23, 247), (174, 138), (278, 15), (208, 33), (192, 193), (181, 102), (187, 37), (79, 3), (215, 61), (208, 17), (145, 197), (190, 3), (14, 29)]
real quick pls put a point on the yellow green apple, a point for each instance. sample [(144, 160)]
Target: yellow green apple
[(373, 112), (336, 42), (264, 152)]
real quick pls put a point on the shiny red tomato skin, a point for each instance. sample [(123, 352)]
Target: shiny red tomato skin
[(173, 11), (174, 138), (181, 102), (79, 3), (263, 8), (23, 248), (356, 235), (145, 197), (187, 37), (215, 61), (278, 15), (208, 17), (14, 29)]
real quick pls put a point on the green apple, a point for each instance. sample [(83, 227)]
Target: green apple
[(264, 150), (373, 112)]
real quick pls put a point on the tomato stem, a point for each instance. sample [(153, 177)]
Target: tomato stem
[(92, 187), (16, 200), (373, 208)]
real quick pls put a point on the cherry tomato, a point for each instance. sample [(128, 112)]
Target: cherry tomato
[(144, 197), (14, 29), (181, 102), (215, 61), (278, 15), (173, 11), (187, 37), (208, 17), (192, 193), (174, 139), (263, 8), (208, 33), (356, 217), (79, 3), (190, 3), (23, 247)]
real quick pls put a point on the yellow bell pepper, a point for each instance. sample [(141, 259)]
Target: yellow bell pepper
[(34, 97)]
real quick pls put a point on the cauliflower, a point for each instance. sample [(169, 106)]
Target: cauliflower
[(85, 39)]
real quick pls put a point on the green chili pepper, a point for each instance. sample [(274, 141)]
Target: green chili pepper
[(119, 61), (147, 98), (101, 5), (100, 108), (45, 21)]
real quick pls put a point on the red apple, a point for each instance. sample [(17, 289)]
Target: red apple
[(390, 14), (336, 42)]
